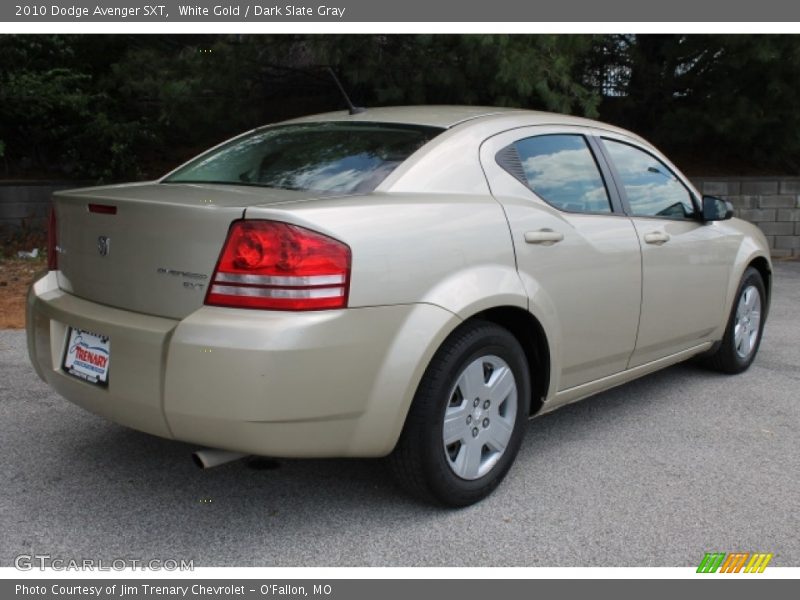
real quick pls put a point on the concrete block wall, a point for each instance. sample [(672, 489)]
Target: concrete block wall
[(772, 203), (27, 203)]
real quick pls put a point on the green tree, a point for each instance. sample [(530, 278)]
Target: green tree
[(116, 107), (723, 99), (540, 72)]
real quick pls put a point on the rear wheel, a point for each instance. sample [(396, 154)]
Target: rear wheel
[(467, 420), (745, 325)]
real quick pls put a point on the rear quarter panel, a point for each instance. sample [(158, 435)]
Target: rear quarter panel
[(437, 251), (453, 251)]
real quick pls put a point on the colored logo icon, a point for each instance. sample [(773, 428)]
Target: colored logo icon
[(734, 562)]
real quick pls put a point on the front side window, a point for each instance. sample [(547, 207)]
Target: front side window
[(652, 189), (330, 157), (561, 170)]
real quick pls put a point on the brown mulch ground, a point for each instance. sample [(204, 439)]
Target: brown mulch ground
[(16, 273), (15, 277)]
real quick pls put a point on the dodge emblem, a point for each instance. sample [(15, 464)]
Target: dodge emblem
[(103, 245)]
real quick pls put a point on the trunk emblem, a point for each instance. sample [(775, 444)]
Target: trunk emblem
[(103, 245)]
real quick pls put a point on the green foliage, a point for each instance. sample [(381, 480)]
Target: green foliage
[(114, 107), (539, 72), (52, 109), (731, 98)]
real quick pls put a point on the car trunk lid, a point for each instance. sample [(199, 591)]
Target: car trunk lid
[(150, 248)]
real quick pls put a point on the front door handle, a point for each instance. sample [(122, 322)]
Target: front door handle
[(656, 237), (543, 236)]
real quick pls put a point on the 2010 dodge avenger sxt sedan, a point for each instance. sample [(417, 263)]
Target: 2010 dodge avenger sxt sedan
[(411, 281)]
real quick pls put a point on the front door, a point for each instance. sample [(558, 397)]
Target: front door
[(685, 262)]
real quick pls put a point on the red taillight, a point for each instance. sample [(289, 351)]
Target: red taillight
[(278, 266), (52, 240)]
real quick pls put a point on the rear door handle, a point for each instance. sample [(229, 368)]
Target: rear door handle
[(656, 237), (543, 236)]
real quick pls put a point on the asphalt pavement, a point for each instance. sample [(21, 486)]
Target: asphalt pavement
[(653, 473)]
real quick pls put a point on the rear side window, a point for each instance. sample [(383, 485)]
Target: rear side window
[(322, 157), (651, 188), (560, 169)]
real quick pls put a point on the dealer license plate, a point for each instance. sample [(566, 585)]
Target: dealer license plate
[(88, 356)]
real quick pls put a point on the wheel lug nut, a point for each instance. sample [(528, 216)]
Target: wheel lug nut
[(476, 402), (469, 419), (486, 422), (486, 404), (474, 432)]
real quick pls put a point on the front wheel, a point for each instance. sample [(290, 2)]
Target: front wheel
[(467, 420), (742, 336)]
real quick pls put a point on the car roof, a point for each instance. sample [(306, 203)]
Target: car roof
[(444, 116), (448, 116)]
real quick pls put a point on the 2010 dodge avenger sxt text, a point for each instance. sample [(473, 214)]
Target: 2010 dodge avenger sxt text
[(410, 281)]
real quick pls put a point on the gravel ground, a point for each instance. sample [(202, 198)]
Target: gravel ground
[(654, 473)]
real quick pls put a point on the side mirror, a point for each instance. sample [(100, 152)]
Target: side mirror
[(716, 209)]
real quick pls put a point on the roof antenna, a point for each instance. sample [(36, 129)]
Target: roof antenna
[(352, 108)]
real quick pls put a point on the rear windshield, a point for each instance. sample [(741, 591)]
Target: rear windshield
[(321, 157)]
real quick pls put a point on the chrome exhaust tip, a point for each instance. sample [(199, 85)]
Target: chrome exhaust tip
[(208, 458)]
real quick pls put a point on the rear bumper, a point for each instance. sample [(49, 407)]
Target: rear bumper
[(327, 383)]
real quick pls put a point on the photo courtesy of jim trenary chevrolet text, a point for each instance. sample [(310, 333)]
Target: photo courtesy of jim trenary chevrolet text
[(350, 299)]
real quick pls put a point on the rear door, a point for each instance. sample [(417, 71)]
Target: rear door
[(577, 252), (685, 262)]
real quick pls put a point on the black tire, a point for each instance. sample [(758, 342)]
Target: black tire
[(419, 462), (726, 358)]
